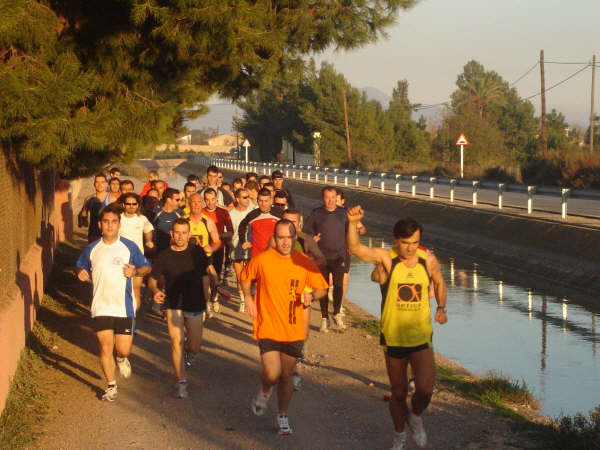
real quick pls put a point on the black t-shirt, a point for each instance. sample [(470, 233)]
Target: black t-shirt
[(183, 272), (332, 226)]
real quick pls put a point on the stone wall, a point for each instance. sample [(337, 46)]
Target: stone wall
[(35, 214)]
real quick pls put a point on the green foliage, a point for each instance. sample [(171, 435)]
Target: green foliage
[(87, 82), (303, 101), (501, 127), (567, 168)]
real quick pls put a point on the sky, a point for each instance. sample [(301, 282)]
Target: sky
[(430, 44)]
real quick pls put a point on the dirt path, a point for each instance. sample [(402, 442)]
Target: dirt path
[(341, 404)]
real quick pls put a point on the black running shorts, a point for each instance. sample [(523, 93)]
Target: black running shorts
[(404, 352), (119, 325), (293, 349)]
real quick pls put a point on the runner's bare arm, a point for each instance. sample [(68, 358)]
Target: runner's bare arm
[(214, 234), (158, 295), (362, 252), (248, 300), (319, 293), (83, 275), (439, 287), (148, 240)]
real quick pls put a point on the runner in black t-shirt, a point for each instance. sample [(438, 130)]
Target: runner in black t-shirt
[(183, 267)]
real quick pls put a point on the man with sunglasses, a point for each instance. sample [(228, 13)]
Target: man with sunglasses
[(239, 256), (137, 228)]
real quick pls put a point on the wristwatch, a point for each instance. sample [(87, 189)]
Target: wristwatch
[(443, 308)]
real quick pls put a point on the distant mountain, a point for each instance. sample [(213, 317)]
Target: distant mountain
[(220, 116), (375, 94)]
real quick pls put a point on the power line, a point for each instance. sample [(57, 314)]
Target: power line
[(567, 63), (559, 83), (525, 74)]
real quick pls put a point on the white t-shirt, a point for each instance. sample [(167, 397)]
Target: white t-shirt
[(113, 292), (133, 228), (236, 218)]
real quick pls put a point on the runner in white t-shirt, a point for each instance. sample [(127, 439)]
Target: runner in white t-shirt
[(137, 228), (239, 256), (112, 262)]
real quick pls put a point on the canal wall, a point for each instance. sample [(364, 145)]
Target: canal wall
[(35, 214), (565, 254)]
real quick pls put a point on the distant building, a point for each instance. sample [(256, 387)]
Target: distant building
[(184, 140), (223, 140)]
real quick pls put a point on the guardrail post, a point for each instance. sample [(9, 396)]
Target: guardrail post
[(475, 191), (325, 177), (431, 187), (370, 181), (564, 193), (397, 184), (346, 177), (530, 192), (383, 182), (500, 192), (414, 185), (317, 174), (294, 171), (287, 170), (452, 185), (308, 173), (357, 177), (335, 176)]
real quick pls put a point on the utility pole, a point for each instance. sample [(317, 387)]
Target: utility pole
[(348, 150), (543, 90), (592, 108)]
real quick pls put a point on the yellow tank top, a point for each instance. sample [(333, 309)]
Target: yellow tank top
[(405, 313), (200, 230)]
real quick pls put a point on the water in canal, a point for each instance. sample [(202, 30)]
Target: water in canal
[(548, 341)]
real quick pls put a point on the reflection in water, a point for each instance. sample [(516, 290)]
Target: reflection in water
[(452, 272), (530, 303), (475, 279), (501, 291)]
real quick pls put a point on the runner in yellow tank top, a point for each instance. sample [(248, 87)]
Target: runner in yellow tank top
[(405, 313), (405, 274)]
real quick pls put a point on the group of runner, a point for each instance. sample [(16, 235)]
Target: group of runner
[(182, 243)]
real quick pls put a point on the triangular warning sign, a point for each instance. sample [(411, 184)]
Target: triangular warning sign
[(462, 140)]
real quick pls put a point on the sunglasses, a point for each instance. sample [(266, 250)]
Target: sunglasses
[(131, 204)]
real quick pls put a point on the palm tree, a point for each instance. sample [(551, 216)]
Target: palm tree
[(479, 89)]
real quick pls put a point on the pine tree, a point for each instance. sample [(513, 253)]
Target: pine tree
[(85, 82)]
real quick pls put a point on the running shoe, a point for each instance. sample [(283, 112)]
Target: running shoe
[(181, 387), (297, 380), (124, 367), (417, 431), (339, 321), (189, 358), (399, 441), (242, 307), (282, 425), (324, 325), (110, 394), (260, 403)]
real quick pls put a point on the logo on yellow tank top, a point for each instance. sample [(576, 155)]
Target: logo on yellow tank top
[(409, 296)]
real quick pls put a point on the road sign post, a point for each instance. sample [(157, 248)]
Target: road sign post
[(246, 144), (462, 141)]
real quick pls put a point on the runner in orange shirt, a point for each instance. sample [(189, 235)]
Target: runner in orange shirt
[(281, 275)]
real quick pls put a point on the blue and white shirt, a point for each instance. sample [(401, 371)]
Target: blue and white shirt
[(113, 292)]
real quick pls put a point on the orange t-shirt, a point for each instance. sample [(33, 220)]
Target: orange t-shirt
[(280, 281)]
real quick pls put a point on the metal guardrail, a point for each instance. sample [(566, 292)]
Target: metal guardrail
[(391, 182)]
